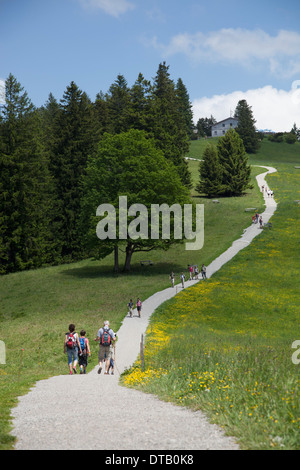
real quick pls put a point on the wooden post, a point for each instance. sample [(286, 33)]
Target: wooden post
[(142, 353)]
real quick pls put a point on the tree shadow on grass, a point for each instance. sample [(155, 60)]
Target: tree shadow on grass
[(94, 272)]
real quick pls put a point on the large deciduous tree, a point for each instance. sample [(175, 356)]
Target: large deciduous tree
[(129, 164)]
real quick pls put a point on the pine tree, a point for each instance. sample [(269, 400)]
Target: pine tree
[(118, 103), (140, 104), (75, 141), (234, 163), (246, 126), (167, 124), (24, 184), (185, 107), (101, 114), (210, 173), (204, 126)]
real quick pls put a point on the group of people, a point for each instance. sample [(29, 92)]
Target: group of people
[(257, 219), (269, 192), (193, 273), (138, 307), (78, 349)]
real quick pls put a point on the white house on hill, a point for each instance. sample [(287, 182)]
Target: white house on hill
[(220, 128)]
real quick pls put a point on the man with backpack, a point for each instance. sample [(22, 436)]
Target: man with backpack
[(106, 338)]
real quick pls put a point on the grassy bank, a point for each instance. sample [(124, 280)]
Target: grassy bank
[(37, 306), (225, 345)]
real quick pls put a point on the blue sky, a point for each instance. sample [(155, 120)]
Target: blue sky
[(223, 51)]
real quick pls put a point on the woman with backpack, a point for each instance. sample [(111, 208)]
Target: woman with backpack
[(71, 346), (85, 348), (139, 306)]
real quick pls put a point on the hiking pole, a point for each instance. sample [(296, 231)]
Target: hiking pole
[(115, 364)]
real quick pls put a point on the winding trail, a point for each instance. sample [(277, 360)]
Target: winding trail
[(68, 412)]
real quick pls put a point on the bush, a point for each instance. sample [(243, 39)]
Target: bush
[(278, 137), (290, 138)]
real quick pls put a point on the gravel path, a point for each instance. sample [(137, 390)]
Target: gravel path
[(70, 412)]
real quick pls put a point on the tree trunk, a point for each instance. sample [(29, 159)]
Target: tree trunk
[(116, 252), (129, 253)]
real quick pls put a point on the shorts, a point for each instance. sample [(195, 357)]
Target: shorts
[(105, 352), (72, 355), (83, 360)]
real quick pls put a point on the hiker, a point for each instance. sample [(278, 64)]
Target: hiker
[(85, 348), (203, 271), (111, 366), (139, 306), (172, 277), (106, 336), (196, 272), (182, 277), (130, 308), (71, 346)]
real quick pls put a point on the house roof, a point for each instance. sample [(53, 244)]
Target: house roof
[(227, 119)]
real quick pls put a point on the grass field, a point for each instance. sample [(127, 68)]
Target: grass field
[(37, 306), (225, 345)]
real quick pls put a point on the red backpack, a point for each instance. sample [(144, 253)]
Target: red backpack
[(71, 342)]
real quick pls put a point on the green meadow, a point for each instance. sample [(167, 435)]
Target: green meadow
[(223, 346)]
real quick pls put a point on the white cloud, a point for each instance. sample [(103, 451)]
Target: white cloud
[(112, 7), (272, 109), (281, 52)]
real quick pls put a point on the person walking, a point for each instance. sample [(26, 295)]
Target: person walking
[(172, 277), (196, 272), (191, 270), (106, 336), (139, 307), (71, 346), (203, 271), (182, 278), (130, 307), (111, 366), (85, 351)]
